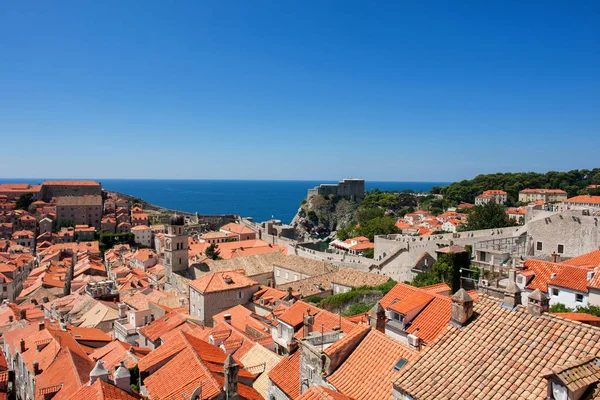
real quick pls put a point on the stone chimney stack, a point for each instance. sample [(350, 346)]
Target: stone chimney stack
[(11, 318), (231, 378), (377, 318), (122, 378), (554, 257), (22, 346), (462, 308), (99, 372), (36, 368), (41, 326), (122, 310), (309, 321), (512, 295), (537, 303)]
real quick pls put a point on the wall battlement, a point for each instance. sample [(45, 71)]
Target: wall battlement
[(353, 189)]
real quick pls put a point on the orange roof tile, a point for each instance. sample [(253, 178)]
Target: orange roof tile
[(576, 316), (101, 390), (412, 302), (198, 362), (237, 228), (294, 315), (500, 354), (591, 259), (584, 199), (437, 288), (286, 375), (163, 325), (571, 278), (432, 321), (361, 378), (221, 281)]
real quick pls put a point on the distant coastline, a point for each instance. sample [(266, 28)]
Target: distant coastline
[(261, 200)]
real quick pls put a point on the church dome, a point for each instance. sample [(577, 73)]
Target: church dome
[(177, 220)]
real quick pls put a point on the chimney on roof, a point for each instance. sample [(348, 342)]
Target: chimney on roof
[(22, 346), (22, 314), (231, 378), (377, 318), (99, 372), (554, 257), (309, 321), (227, 318), (41, 326), (10, 318), (537, 303), (63, 324), (36, 367), (122, 377), (512, 295), (462, 308)]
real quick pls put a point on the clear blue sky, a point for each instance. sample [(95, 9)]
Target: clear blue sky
[(392, 90)]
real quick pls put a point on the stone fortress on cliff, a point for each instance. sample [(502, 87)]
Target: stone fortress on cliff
[(352, 189)]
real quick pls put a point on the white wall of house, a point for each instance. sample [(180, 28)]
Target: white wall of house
[(569, 297)]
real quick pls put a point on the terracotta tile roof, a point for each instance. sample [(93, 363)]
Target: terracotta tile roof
[(286, 375), (543, 270), (101, 390), (569, 277), (198, 362), (294, 315), (432, 321), (259, 356), (237, 228), (500, 354), (221, 281), (67, 373), (412, 302), (577, 316), (400, 292), (116, 351), (578, 374), (361, 378), (326, 321), (439, 288), (71, 183), (591, 259), (343, 276), (348, 342), (584, 199), (243, 319), (163, 325), (322, 393)]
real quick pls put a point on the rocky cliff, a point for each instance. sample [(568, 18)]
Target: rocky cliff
[(319, 216)]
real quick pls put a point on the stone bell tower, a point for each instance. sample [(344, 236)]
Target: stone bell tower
[(176, 248)]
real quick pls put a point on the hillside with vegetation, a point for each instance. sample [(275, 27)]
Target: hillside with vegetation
[(573, 182)]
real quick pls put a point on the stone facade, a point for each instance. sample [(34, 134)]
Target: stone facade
[(176, 249), (206, 305), (353, 189), (81, 210), (52, 189)]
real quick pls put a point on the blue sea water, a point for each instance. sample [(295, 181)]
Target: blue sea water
[(261, 200)]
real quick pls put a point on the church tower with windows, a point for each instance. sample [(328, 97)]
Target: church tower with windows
[(176, 248)]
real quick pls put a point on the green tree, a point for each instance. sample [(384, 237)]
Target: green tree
[(426, 279), (24, 201), (377, 226), (367, 214), (346, 231), (213, 252), (559, 307), (369, 253), (488, 216)]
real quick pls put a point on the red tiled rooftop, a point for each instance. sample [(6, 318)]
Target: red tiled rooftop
[(369, 370), (221, 281), (286, 375)]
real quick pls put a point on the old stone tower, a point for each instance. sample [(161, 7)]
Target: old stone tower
[(176, 248)]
